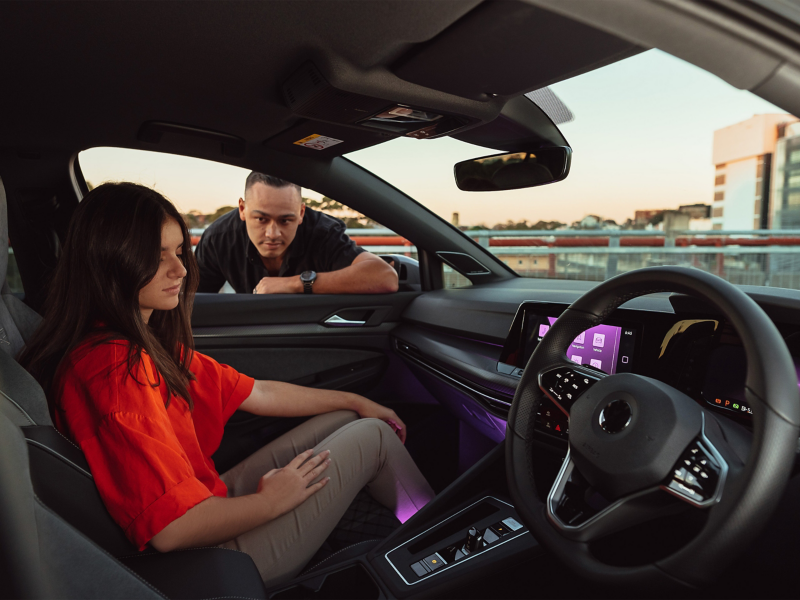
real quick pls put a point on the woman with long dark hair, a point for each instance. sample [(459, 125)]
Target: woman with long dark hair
[(116, 359)]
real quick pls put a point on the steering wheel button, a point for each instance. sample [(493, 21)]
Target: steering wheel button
[(685, 490)]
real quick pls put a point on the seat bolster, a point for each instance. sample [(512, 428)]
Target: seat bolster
[(20, 388), (63, 482), (199, 573)]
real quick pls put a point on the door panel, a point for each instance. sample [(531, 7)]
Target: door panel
[(217, 310), (285, 338)]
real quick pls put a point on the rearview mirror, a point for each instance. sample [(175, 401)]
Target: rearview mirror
[(513, 171)]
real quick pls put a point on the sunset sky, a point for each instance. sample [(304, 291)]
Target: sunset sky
[(642, 139)]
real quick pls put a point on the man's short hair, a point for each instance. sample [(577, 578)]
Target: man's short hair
[(276, 182)]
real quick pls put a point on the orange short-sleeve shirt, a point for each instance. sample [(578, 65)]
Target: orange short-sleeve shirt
[(151, 463)]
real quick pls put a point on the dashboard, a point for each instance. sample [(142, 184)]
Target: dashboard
[(462, 359)]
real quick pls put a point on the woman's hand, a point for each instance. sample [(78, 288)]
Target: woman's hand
[(367, 409), (287, 488)]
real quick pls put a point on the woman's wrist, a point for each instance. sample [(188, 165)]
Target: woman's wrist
[(356, 403)]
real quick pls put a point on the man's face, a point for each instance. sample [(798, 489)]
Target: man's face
[(272, 216)]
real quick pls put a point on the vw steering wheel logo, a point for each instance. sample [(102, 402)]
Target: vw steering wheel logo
[(616, 416)]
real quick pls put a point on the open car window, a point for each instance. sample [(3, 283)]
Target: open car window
[(670, 166), (204, 191)]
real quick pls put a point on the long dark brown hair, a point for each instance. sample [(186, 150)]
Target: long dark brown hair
[(112, 251)]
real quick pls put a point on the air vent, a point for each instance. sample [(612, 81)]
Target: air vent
[(463, 263)]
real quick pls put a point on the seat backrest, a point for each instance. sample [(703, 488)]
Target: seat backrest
[(21, 398), (17, 320), (41, 555)]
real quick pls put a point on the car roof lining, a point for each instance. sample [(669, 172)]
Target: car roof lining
[(220, 66)]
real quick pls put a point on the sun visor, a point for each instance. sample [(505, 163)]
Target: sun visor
[(334, 121)]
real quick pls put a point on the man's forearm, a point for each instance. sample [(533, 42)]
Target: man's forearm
[(212, 522), (366, 277)]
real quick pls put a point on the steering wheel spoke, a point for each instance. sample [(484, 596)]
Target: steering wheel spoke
[(582, 514), (699, 476), (565, 383)]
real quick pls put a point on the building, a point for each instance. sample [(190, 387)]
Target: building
[(642, 217), (742, 157), (696, 211), (785, 209)]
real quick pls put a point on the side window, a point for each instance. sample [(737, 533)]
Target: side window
[(205, 191)]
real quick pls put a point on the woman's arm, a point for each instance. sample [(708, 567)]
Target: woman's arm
[(277, 399), (217, 520)]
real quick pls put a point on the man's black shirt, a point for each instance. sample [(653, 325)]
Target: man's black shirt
[(225, 252)]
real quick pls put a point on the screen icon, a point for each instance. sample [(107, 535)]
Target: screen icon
[(543, 329), (596, 363), (580, 339), (576, 359), (599, 340)]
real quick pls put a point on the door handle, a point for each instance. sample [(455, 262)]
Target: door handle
[(337, 321)]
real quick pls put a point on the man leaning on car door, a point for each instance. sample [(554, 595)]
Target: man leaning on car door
[(274, 244)]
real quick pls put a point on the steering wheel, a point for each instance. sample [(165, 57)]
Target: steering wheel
[(640, 449)]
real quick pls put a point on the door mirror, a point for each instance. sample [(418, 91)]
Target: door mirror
[(513, 171)]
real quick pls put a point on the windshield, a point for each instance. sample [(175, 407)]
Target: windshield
[(670, 166)]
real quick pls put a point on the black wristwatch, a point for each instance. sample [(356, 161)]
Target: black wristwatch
[(308, 278)]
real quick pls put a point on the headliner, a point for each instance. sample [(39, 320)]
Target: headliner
[(83, 74)]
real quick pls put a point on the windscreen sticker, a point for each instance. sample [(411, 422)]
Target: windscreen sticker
[(318, 142)]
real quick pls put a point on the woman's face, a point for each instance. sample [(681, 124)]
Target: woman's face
[(161, 292)]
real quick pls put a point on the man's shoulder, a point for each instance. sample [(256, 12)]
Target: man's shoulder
[(228, 224), (320, 221)]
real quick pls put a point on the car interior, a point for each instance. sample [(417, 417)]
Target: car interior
[(552, 479)]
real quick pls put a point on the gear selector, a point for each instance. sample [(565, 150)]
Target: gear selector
[(474, 541)]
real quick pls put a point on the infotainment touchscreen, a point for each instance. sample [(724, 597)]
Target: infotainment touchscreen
[(609, 348)]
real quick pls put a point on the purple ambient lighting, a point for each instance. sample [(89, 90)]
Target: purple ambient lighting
[(597, 347), (410, 500)]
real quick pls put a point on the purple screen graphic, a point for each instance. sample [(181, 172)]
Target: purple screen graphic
[(596, 347)]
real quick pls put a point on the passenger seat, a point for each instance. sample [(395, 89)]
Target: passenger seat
[(56, 537)]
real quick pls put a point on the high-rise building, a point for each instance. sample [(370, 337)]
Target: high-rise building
[(742, 156), (785, 209)]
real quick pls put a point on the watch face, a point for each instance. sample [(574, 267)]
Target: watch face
[(307, 276)]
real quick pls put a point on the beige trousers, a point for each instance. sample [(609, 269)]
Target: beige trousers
[(364, 453)]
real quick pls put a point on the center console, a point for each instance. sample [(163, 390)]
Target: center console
[(469, 535), (461, 537)]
